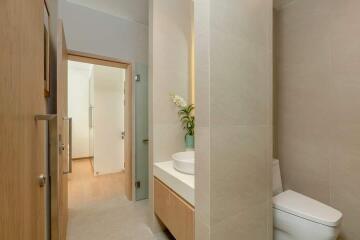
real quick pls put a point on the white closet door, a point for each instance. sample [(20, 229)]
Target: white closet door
[(109, 119), (78, 98), (91, 113)]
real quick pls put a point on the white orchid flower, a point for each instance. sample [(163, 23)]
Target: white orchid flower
[(179, 101)]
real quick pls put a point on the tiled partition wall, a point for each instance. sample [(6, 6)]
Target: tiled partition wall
[(233, 45), (318, 116)]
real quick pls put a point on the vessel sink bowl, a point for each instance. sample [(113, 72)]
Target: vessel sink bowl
[(184, 162)]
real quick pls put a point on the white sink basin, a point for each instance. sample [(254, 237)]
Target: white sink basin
[(184, 162)]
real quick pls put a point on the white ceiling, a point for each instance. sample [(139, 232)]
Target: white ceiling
[(134, 10), (281, 3)]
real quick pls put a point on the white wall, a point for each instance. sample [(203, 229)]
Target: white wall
[(109, 119), (133, 10), (95, 32), (78, 99)]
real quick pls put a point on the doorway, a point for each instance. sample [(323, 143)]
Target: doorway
[(100, 102), (96, 105)]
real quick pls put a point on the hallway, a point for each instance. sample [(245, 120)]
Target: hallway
[(99, 210)]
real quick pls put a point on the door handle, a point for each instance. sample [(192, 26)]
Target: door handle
[(50, 118), (145, 140), (45, 117), (70, 145)]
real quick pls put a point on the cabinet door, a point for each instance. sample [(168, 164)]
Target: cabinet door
[(182, 218), (22, 139), (162, 202), (174, 212)]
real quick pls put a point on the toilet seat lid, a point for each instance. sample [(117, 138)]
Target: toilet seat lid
[(308, 208)]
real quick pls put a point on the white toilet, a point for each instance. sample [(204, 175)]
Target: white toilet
[(298, 217)]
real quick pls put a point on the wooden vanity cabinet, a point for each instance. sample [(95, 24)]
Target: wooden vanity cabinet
[(174, 212)]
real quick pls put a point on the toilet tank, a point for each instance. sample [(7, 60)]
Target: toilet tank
[(277, 183)]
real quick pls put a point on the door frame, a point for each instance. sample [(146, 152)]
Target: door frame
[(128, 145)]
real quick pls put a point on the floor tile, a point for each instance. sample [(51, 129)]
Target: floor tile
[(99, 210)]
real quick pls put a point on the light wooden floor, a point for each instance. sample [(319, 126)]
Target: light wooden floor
[(85, 188), (99, 210)]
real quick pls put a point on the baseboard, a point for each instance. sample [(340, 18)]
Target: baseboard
[(109, 172), (82, 158)]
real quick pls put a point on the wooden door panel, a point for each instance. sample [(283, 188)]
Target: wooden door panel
[(22, 139)]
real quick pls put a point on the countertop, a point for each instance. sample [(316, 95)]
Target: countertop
[(182, 184)]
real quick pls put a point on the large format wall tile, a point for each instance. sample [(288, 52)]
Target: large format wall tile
[(202, 133), (318, 117), (170, 30), (234, 105), (170, 40), (239, 171)]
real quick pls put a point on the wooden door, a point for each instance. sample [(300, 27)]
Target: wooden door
[(22, 139), (64, 130)]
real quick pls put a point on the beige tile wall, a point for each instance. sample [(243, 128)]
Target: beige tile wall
[(170, 71), (170, 41), (202, 133), (318, 78), (234, 119)]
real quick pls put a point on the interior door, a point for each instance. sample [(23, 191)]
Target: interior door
[(22, 138), (64, 133), (141, 133), (109, 119), (128, 122)]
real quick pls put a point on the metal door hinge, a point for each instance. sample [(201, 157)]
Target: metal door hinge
[(137, 78), (137, 184)]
